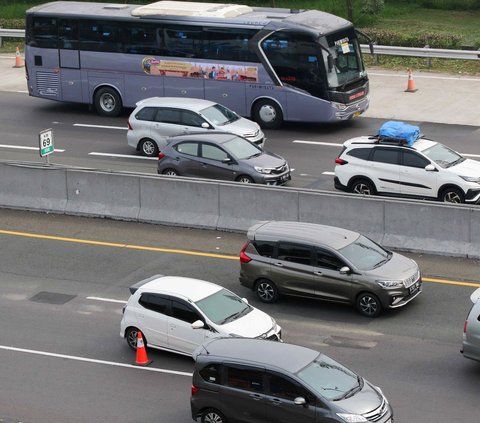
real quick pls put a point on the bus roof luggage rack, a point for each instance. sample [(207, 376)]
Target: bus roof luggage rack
[(186, 8)]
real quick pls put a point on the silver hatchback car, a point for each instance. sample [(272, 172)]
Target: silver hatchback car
[(471, 329), (157, 118)]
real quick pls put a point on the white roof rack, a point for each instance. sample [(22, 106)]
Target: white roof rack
[(187, 8)]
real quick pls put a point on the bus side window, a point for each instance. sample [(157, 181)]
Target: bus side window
[(140, 39), (184, 41), (44, 32), (68, 34)]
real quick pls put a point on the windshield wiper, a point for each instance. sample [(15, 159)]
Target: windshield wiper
[(234, 315), (459, 160), (353, 390), (254, 155)]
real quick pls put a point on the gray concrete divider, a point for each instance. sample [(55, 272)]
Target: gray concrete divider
[(103, 194), (33, 186), (179, 201), (421, 226)]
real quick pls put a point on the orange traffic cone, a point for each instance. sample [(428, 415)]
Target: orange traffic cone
[(19, 63), (410, 85), (141, 358)]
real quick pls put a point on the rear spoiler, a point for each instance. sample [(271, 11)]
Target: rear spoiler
[(475, 297), (133, 288)]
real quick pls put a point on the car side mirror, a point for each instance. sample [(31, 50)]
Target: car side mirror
[(198, 324), (344, 270), (205, 125), (430, 168), (227, 160), (300, 401), (245, 300)]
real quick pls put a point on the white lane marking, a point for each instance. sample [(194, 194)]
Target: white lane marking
[(328, 173), (125, 156), (455, 78), (108, 300), (328, 144), (22, 91), (22, 147), (470, 155), (85, 125), (92, 360)]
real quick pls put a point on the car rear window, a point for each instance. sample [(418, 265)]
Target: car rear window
[(360, 153), (265, 248)]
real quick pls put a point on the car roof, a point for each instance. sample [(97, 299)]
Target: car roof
[(193, 104), (193, 289), (311, 233), (420, 144), (216, 137), (289, 357)]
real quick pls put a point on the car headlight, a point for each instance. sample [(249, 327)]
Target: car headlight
[(263, 170), (391, 284), (471, 178), (339, 106), (352, 418)]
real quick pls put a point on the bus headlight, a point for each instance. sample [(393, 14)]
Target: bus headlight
[(339, 106)]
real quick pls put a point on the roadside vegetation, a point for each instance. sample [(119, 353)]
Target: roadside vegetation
[(450, 24)]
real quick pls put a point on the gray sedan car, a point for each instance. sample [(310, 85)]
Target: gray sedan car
[(224, 156), (157, 118)]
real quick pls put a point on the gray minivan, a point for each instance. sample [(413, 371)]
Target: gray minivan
[(252, 381), (329, 263), (471, 329)]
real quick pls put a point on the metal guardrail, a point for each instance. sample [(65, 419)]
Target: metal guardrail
[(427, 52)]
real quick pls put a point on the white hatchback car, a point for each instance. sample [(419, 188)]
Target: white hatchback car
[(426, 169), (157, 118), (177, 314)]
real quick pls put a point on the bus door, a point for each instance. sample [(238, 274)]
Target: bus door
[(69, 60)]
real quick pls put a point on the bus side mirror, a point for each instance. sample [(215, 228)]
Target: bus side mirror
[(330, 62)]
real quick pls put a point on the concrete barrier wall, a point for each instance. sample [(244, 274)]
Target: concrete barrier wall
[(407, 225)]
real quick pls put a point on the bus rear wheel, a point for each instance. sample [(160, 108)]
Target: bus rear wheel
[(107, 102), (267, 114)]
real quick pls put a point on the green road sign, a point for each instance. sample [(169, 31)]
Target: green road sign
[(45, 138)]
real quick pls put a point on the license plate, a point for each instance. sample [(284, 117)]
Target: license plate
[(413, 288), (356, 114), (284, 177)]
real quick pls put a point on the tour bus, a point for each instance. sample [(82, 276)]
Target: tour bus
[(269, 64)]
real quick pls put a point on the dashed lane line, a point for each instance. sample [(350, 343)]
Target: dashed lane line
[(86, 125), (123, 156)]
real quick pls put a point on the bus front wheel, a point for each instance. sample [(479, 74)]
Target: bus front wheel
[(108, 102), (267, 114)]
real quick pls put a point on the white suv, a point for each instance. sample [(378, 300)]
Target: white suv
[(426, 169)]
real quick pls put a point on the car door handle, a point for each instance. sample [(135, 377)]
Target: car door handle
[(204, 164), (317, 272), (276, 401), (177, 159), (256, 397), (278, 264)]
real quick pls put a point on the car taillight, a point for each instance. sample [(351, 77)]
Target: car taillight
[(194, 390), (129, 125), (465, 327), (161, 155), (340, 161), (243, 257)]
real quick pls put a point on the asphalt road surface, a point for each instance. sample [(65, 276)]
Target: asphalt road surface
[(64, 281)]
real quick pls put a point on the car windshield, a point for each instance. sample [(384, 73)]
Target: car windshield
[(219, 115), (242, 149), (223, 307), (365, 254), (443, 156), (330, 379)]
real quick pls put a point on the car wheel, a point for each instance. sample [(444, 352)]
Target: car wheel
[(213, 416), (362, 186), (108, 102), (131, 338), (267, 291), (244, 179), (452, 195), (149, 147), (170, 172), (369, 305), (267, 114)]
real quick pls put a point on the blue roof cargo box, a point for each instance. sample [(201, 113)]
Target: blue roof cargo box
[(396, 130)]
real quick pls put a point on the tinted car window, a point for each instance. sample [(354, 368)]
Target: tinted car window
[(191, 119), (360, 153), (212, 152), (327, 259), (184, 312), (265, 248), (385, 155), (243, 378), (190, 148), (211, 373), (147, 113), (294, 253), (169, 116), (412, 159), (155, 302), (282, 387)]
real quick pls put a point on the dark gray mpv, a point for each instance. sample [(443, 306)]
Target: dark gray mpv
[(328, 263), (238, 380)]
